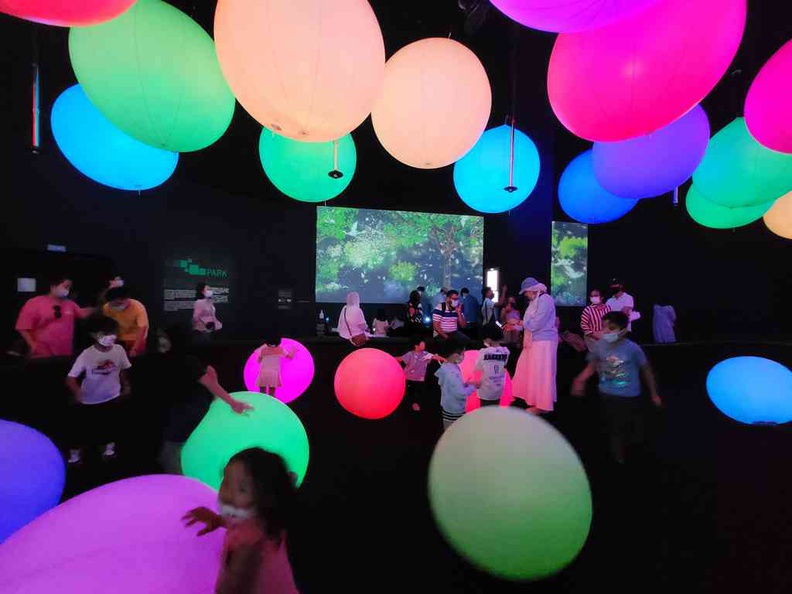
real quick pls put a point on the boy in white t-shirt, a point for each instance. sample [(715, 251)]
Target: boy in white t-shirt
[(491, 363), (103, 369)]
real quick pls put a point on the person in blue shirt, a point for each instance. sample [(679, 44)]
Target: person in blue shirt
[(471, 309), (620, 364)]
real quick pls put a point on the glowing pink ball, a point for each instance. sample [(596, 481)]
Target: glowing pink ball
[(125, 537), (369, 383), (767, 108), (654, 164), (66, 13), (637, 75), (296, 374), (470, 374), (569, 16)]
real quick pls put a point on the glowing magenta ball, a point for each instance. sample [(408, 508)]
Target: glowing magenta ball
[(708, 213), (566, 16), (296, 374), (125, 537), (32, 476), (639, 74), (767, 111), (752, 390), (656, 163), (583, 199), (369, 383), (470, 374), (66, 13)]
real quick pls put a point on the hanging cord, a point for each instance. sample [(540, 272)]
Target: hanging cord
[(512, 120), (35, 133), (335, 173)]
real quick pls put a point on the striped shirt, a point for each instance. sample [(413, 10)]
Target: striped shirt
[(591, 320), (446, 317)]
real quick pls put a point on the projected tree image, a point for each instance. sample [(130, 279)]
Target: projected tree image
[(385, 254), (569, 263)]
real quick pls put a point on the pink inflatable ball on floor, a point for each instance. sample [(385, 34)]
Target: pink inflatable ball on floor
[(66, 13), (296, 373), (369, 383), (639, 74), (125, 537), (767, 106), (569, 16), (470, 374)]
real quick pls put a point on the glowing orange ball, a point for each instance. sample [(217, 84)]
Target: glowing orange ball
[(435, 103), (369, 383), (309, 70), (779, 218)]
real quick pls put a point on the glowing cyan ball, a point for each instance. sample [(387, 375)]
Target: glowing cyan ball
[(32, 476), (654, 164), (153, 72), (738, 171), (767, 112), (65, 14), (306, 171), (583, 199), (309, 70), (434, 105), (711, 214), (538, 503), (481, 177), (99, 150), (566, 16), (123, 537), (779, 218), (369, 383), (606, 84), (271, 425), (470, 374), (296, 374), (752, 390)]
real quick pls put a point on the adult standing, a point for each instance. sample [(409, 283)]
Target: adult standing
[(204, 320), (352, 322), (663, 323), (447, 319), (471, 309), (488, 305), (415, 315), (114, 282), (132, 320), (535, 376), (621, 301), (511, 323), (591, 319), (440, 298), (426, 303), (46, 322)]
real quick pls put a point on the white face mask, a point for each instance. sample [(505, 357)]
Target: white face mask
[(611, 336), (208, 293), (596, 300), (163, 345), (61, 292), (234, 514), (114, 284), (455, 303), (107, 341)]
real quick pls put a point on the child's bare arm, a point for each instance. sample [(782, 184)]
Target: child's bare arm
[(74, 386), (579, 383), (651, 383), (125, 386), (240, 574)]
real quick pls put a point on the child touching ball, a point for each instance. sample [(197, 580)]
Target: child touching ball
[(270, 355)]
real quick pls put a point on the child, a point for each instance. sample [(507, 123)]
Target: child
[(491, 363), (103, 365), (618, 360), (415, 364), (381, 324), (454, 391), (270, 356), (256, 501)]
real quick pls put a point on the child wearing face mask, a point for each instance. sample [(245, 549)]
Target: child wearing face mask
[(270, 356), (256, 503), (591, 319), (620, 364), (97, 400), (454, 391)]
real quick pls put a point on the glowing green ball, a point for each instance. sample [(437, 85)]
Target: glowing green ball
[(153, 72), (707, 213), (738, 171), (510, 494), (306, 171), (271, 425)]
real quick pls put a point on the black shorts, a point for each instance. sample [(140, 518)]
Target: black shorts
[(625, 417)]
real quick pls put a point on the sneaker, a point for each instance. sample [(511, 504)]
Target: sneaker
[(416, 407), (109, 451), (75, 457)]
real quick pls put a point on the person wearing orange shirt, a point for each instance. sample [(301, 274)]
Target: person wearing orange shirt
[(131, 317)]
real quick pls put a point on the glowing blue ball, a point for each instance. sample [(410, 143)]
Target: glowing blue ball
[(482, 176), (752, 390), (583, 199), (32, 476), (101, 151), (656, 163)]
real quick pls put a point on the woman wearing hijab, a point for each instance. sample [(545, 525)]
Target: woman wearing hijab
[(535, 376), (352, 322)]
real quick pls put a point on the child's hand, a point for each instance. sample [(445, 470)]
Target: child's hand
[(125, 391), (210, 519), (657, 401), (578, 387), (239, 407)]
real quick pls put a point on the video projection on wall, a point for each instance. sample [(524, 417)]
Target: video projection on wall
[(569, 267), (385, 254)]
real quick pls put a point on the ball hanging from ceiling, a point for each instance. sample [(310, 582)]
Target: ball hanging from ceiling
[(307, 171), (639, 74), (656, 163), (481, 177), (738, 171), (708, 213), (767, 107), (309, 70), (153, 73), (66, 13), (569, 16), (434, 105), (102, 152), (583, 199), (779, 218)]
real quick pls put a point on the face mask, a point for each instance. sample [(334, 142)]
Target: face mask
[(454, 302), (114, 284), (611, 336), (61, 292), (208, 293), (234, 514), (596, 300), (107, 340)]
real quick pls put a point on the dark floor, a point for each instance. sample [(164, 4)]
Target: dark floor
[(707, 509)]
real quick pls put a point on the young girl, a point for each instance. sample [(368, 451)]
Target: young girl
[(256, 503), (270, 356), (381, 323)]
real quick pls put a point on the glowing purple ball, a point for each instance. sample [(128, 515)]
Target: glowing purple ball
[(296, 374)]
